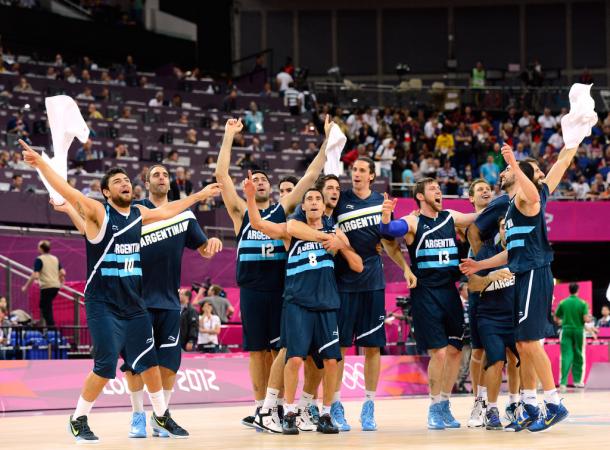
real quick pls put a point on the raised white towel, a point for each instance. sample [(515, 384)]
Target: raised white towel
[(577, 124), (66, 123), (334, 147)]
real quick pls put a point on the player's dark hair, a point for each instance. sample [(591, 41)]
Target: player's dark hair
[(528, 170), (45, 246), (371, 164), (322, 179), (149, 171), (420, 188), (474, 184), (573, 288), (108, 175), (313, 188), (262, 172), (290, 179)]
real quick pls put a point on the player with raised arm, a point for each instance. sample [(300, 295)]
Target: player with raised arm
[(438, 317)]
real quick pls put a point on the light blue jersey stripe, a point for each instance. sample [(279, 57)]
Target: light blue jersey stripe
[(306, 267), (257, 257), (517, 243), (518, 230), (136, 272), (436, 264), (305, 255), (111, 257), (251, 243), (436, 251)]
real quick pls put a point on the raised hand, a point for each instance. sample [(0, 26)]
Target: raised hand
[(509, 156), (328, 124), (387, 208), (211, 190), (213, 246), (234, 126), (30, 156), (248, 185)]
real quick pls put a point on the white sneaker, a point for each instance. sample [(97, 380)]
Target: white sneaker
[(268, 420), (304, 423), (579, 385), (477, 415)]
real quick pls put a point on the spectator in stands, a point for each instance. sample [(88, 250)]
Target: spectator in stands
[(51, 73), (86, 95), (140, 179), (94, 190), (24, 86), (310, 129), (448, 179), (385, 155), (253, 121), (59, 61), (220, 305), (604, 320), (104, 95), (477, 79), (547, 123), (209, 329), (184, 119), (267, 91), (564, 188), (496, 153), (17, 163), (490, 171), (78, 169), (191, 137), (295, 147), (105, 77), (85, 76), (581, 188), (119, 80), (246, 162), (256, 145), (408, 175), (177, 101), (4, 159), (69, 76), (520, 153), (130, 71), (5, 333), (556, 140), (180, 187), (138, 192), (189, 321), (120, 151), (171, 158), (126, 113), (210, 162), (229, 103), (239, 140), (597, 187), (50, 276), (283, 80), (526, 139), (427, 166), (307, 100), (291, 99), (444, 146), (88, 153), (94, 113), (157, 101), (144, 84), (463, 146), (88, 64), (525, 120), (16, 183)]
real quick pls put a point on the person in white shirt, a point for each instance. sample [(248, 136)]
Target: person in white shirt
[(157, 101), (209, 329), (556, 140), (581, 188), (385, 156), (283, 79), (546, 120), (525, 120)]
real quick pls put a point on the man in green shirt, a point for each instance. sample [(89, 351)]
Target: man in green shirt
[(573, 312)]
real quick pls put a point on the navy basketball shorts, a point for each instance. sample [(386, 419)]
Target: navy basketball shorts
[(314, 332), (261, 315), (113, 335), (361, 318), (438, 317), (533, 303), (475, 339), (497, 337)]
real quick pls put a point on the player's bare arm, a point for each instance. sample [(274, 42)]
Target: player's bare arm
[(553, 178), (353, 259), (271, 229)]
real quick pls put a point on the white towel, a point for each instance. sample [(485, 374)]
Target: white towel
[(66, 123), (577, 124), (334, 147)]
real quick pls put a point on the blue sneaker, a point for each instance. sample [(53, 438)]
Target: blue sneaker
[(435, 417), (492, 419), (510, 412), (138, 425), (525, 415), (367, 416), (337, 413), (551, 415), (314, 413), (448, 418)]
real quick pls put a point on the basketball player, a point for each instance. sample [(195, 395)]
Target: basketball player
[(116, 315), (438, 317), (260, 259), (162, 245), (529, 257), (362, 312), (495, 320)]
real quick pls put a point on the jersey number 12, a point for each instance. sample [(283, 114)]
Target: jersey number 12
[(267, 250)]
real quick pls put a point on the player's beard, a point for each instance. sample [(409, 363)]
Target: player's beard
[(507, 183), (435, 206), (120, 202), (261, 198)]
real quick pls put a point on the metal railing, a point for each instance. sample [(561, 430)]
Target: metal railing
[(36, 342)]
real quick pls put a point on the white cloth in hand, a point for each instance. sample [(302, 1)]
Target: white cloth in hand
[(577, 124), (334, 147), (66, 123)]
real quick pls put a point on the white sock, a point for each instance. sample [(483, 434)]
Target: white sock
[(337, 397), (280, 401), (435, 398), (445, 395), (521, 395), (258, 403), (137, 401), (292, 408), (514, 398), (158, 402), (369, 395), (529, 397), (270, 399), (551, 397), (482, 392), (325, 409), (492, 405), (167, 394), (305, 400), (83, 408)]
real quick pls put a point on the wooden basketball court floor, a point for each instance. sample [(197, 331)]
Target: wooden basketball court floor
[(401, 422)]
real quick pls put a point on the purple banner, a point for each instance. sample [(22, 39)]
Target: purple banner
[(56, 384), (566, 221)]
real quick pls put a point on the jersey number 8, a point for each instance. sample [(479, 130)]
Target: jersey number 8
[(313, 260)]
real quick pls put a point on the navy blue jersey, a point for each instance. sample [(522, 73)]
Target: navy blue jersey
[(162, 245), (114, 270), (359, 219), (487, 222), (310, 275), (261, 261), (298, 214), (497, 301), (473, 297), (434, 252), (526, 237)]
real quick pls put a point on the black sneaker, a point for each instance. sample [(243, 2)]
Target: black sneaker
[(168, 424), (326, 426), (79, 428), (268, 421), (289, 424), (249, 420), (280, 412)]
